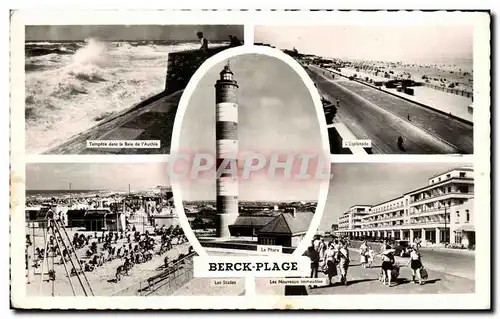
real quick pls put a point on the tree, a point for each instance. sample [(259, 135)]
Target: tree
[(198, 223)]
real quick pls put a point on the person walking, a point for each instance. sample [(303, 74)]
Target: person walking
[(331, 262), (314, 257), (416, 265), (363, 249), (344, 260), (203, 42), (400, 143), (388, 261)]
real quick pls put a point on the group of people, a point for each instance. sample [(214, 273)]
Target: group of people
[(130, 245), (333, 258), (389, 268), (233, 41)]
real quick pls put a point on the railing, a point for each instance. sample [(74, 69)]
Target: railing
[(449, 90), (441, 195), (169, 280), (240, 246)]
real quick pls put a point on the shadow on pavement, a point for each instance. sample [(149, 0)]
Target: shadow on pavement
[(353, 282), (432, 281), (295, 291)]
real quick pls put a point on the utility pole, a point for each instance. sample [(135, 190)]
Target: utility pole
[(445, 224)]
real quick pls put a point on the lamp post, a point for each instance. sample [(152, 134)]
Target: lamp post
[(445, 224)]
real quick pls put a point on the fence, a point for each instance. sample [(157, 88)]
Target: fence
[(429, 85), (168, 281), (449, 90)]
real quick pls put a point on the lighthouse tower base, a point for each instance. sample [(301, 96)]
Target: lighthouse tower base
[(223, 222)]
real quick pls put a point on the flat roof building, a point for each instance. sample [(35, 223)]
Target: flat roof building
[(439, 212)]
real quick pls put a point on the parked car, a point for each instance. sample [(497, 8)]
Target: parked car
[(402, 248)]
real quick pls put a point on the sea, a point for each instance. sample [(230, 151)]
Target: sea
[(72, 86), (47, 193)]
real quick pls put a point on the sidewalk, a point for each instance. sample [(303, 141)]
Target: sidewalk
[(365, 281), (458, 265)]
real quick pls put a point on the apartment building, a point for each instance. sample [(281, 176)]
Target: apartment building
[(351, 219), (440, 212)]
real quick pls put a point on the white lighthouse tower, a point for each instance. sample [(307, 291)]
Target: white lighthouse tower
[(226, 136)]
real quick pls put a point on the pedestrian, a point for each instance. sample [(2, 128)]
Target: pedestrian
[(322, 248), (344, 262), (314, 257), (362, 253), (234, 41), (400, 143), (338, 103), (416, 265), (371, 256), (331, 262), (409, 117), (203, 42), (316, 243), (387, 265)]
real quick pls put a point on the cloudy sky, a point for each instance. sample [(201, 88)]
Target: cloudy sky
[(424, 44), (131, 32), (93, 176), (276, 114), (374, 183)]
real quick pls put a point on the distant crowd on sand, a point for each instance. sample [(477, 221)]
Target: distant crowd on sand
[(233, 41), (333, 258), (129, 245)]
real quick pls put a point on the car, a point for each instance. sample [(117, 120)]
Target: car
[(402, 248)]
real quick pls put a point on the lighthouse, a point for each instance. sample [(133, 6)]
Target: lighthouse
[(226, 149)]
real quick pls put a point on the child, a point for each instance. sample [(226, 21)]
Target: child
[(371, 256)]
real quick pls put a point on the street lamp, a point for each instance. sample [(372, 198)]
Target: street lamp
[(445, 223)]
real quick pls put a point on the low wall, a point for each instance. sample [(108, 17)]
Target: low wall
[(239, 246), (408, 100), (336, 142), (182, 66)]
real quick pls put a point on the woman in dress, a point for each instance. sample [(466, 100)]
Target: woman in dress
[(330, 259), (387, 265), (416, 265), (344, 262)]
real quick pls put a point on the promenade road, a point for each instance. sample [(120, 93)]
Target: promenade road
[(365, 281), (373, 114), (460, 263)]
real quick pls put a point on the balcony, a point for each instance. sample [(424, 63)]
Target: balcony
[(436, 196), (433, 211)]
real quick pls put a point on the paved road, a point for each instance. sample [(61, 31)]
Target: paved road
[(365, 281), (450, 261), (381, 117)]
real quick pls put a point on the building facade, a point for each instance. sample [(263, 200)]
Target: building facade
[(351, 219), (440, 212)]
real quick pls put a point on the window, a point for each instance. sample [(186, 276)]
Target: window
[(439, 179), (467, 216), (458, 218), (449, 190), (463, 189), (462, 174), (448, 176)]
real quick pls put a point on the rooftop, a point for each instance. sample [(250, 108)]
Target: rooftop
[(289, 224)]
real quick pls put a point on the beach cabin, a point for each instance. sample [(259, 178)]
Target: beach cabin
[(96, 219), (470, 109)]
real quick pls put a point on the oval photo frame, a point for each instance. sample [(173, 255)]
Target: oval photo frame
[(179, 120)]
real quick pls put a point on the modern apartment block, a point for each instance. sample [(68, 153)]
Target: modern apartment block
[(351, 220), (440, 212)]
